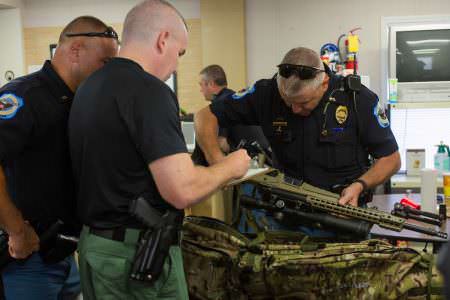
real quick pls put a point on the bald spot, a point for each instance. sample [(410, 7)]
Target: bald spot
[(303, 56), (147, 19)]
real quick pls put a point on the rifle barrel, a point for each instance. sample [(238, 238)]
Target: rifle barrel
[(425, 230)]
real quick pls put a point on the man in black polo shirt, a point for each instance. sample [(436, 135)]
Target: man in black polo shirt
[(36, 182), (126, 142), (318, 132)]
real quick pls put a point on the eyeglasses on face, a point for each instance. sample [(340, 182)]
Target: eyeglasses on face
[(302, 72), (108, 33)]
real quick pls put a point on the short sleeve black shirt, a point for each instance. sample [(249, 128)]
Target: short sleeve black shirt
[(34, 153), (300, 149), (122, 119)]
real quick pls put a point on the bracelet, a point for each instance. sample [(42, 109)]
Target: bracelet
[(363, 183)]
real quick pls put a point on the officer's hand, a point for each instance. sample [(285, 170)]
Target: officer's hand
[(350, 194), (23, 243), (239, 162)]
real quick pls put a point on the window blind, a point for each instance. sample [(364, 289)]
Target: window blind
[(420, 128)]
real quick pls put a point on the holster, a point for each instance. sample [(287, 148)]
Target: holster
[(54, 249), (57, 250), (154, 243), (51, 248)]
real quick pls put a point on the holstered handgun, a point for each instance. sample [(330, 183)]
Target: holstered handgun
[(60, 245), (154, 243), (49, 234)]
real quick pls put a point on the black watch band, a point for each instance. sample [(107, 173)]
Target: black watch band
[(363, 183)]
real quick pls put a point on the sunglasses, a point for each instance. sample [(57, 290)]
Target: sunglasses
[(302, 72), (109, 33)]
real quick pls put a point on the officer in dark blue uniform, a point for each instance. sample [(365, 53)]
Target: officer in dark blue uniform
[(319, 131), (36, 183), (214, 87)]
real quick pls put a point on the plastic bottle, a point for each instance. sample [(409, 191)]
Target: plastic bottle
[(442, 159), (393, 90)]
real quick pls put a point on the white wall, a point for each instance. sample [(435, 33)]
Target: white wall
[(11, 51), (10, 3), (43, 13), (274, 27)]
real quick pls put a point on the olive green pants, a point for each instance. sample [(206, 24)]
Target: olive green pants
[(105, 267)]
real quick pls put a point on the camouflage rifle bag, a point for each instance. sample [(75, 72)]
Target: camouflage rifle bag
[(221, 263)]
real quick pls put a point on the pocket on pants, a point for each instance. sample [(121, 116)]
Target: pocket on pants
[(174, 284), (107, 265)]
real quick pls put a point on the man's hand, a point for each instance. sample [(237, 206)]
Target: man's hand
[(351, 194), (239, 161), (23, 242)]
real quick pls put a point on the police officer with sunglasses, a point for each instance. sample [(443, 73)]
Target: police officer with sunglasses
[(319, 131), (37, 190)]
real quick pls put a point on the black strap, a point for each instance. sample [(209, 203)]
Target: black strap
[(116, 234)]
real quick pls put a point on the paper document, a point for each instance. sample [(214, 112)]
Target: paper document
[(250, 173)]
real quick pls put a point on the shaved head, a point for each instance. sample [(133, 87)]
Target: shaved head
[(155, 36), (79, 53), (82, 24), (148, 18)]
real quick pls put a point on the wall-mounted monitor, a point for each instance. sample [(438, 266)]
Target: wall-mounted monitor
[(419, 57)]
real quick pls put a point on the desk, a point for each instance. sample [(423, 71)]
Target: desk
[(386, 203)]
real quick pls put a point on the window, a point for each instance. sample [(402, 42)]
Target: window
[(420, 126)]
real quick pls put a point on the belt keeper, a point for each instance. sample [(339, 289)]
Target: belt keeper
[(132, 236)]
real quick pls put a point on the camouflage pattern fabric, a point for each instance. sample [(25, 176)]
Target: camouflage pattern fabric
[(221, 263)]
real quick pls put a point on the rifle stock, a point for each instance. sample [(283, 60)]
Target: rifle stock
[(302, 194)]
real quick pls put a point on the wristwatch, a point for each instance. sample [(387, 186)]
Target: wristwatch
[(363, 183)]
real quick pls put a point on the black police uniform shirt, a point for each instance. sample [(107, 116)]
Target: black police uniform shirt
[(325, 148), (122, 119), (234, 134), (34, 152), (238, 133)]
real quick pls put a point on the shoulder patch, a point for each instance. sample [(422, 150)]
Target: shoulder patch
[(243, 93), (9, 105), (380, 114)]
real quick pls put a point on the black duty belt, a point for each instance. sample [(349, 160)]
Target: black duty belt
[(118, 234)]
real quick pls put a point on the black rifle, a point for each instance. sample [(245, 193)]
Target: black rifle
[(360, 228), (415, 214), (154, 243)]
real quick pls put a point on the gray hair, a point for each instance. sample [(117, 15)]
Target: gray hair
[(305, 57), (147, 18)]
